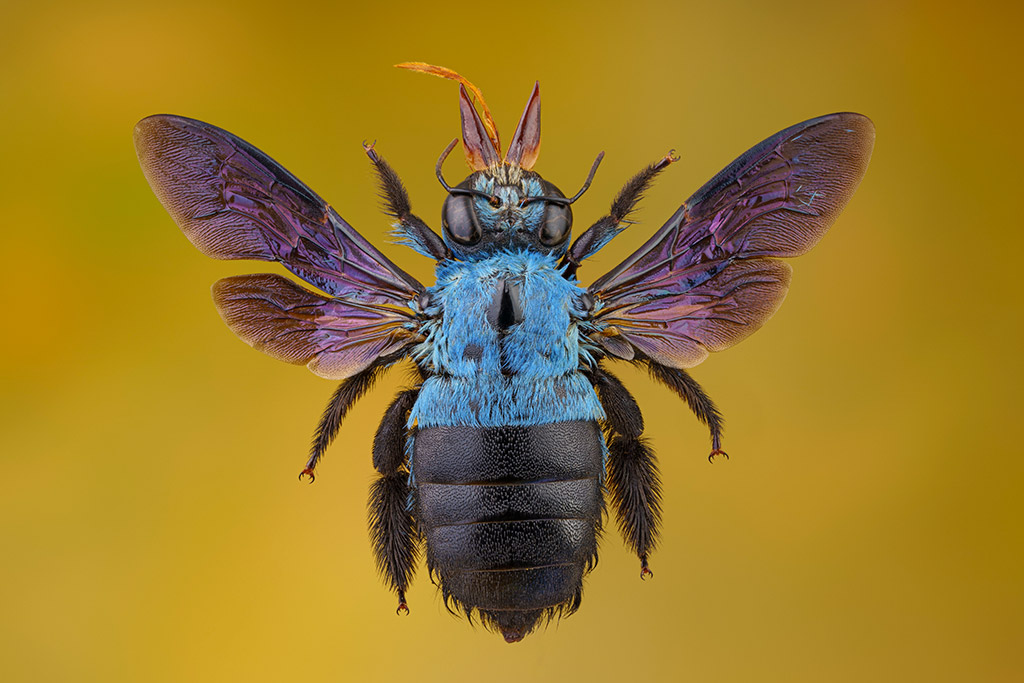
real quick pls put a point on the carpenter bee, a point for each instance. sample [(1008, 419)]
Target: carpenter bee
[(499, 457)]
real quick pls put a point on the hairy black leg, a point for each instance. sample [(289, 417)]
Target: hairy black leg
[(396, 204), (393, 533), (703, 407), (389, 442), (633, 481), (347, 393), (392, 526), (601, 232)]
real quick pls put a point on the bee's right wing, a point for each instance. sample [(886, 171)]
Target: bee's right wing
[(712, 274)]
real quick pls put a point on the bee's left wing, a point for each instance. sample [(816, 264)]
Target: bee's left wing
[(234, 202), (711, 275), (334, 338)]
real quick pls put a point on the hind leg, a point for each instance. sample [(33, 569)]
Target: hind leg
[(392, 526), (633, 480)]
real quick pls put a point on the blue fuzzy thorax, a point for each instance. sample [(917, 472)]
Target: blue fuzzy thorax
[(525, 375)]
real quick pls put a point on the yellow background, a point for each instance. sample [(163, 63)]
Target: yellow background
[(868, 526)]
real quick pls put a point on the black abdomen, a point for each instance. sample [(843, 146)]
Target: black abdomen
[(510, 516)]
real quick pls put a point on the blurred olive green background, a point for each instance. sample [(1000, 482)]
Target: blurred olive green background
[(868, 525)]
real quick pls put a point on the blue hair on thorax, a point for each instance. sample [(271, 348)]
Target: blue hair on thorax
[(527, 374)]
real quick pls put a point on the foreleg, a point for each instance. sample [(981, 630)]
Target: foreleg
[(396, 204), (602, 232)]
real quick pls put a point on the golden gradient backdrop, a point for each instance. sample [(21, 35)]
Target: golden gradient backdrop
[(868, 525)]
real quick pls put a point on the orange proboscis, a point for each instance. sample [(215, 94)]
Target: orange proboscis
[(443, 72)]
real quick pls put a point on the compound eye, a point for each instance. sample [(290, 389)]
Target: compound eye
[(557, 224), (458, 218)]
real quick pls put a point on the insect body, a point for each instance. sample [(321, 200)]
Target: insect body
[(508, 454), (499, 458)]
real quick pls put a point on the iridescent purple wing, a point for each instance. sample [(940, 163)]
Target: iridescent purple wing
[(234, 202), (710, 276), (333, 338)]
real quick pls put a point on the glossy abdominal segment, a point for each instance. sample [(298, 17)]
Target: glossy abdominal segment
[(510, 516)]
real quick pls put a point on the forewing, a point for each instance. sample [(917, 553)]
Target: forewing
[(234, 202), (334, 338), (709, 277)]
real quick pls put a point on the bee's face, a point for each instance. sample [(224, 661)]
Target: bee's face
[(505, 207)]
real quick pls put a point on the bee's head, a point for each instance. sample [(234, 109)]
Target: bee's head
[(506, 207), (504, 204)]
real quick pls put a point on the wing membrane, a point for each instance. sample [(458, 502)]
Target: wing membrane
[(234, 202), (709, 277), (334, 338)]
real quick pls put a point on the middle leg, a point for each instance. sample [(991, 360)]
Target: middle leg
[(686, 387)]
